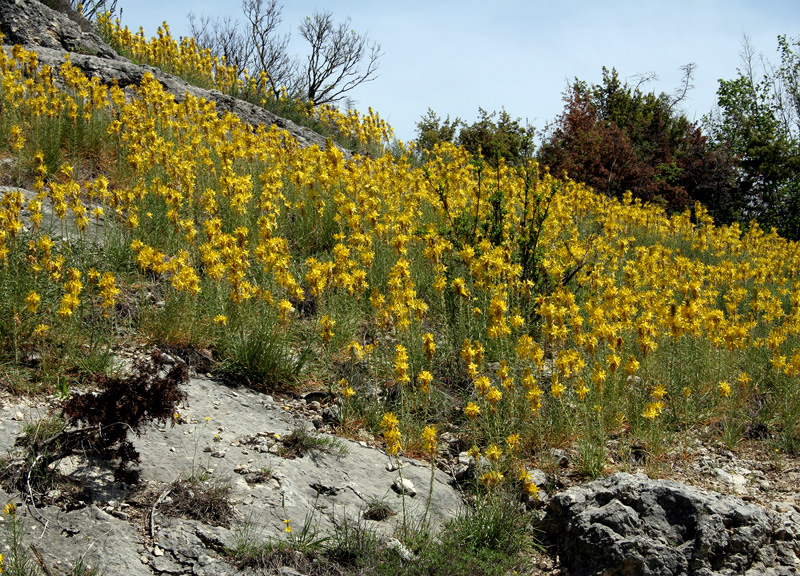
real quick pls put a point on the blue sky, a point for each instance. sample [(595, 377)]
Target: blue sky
[(455, 56)]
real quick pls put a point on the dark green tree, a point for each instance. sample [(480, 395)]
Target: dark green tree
[(758, 121), (497, 135), (432, 130), (493, 136), (615, 137)]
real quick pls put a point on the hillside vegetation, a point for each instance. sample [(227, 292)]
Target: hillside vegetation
[(515, 309)]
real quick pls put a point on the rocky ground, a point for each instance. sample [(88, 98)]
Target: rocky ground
[(236, 439), (234, 444), (222, 437)]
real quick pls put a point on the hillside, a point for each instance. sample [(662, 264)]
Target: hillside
[(514, 331)]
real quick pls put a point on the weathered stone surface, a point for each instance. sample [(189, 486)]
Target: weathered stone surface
[(265, 488), (629, 524), (54, 37), (29, 22)]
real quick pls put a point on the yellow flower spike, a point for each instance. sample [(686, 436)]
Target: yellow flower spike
[(429, 440), (401, 364), (424, 380), (220, 320), (429, 346), (326, 324), (724, 389), (32, 302), (493, 453), (472, 410)]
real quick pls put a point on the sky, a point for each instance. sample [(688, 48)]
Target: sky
[(456, 56)]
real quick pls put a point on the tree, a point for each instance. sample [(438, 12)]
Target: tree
[(758, 120), (615, 137), (492, 137), (334, 65), (338, 61), (432, 130)]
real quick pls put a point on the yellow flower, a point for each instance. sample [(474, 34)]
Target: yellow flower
[(220, 320), (494, 395), (652, 410), (17, 138), (41, 330), (389, 420), (345, 389), (424, 380), (285, 308), (472, 410), (513, 442), (288, 528), (631, 366), (659, 392), (429, 439), (32, 301), (10, 509), (492, 478), (494, 452), (724, 389), (482, 385), (557, 390)]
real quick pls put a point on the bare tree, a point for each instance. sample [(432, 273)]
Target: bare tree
[(686, 84), (340, 59), (223, 38), (268, 48)]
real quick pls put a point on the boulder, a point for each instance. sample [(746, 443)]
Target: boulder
[(629, 524), (55, 37), (335, 480)]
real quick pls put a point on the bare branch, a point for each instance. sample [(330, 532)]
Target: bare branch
[(340, 59), (686, 84)]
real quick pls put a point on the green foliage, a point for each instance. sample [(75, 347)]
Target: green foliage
[(301, 442), (758, 121), (495, 136), (432, 130), (492, 137), (616, 137)]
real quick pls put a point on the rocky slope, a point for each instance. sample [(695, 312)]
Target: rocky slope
[(236, 440)]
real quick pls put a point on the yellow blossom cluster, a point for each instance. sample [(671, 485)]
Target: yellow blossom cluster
[(598, 313)]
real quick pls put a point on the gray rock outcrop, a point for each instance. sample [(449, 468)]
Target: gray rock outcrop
[(235, 438), (53, 36), (631, 525)]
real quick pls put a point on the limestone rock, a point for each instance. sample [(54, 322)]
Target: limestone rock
[(629, 524), (54, 37)]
